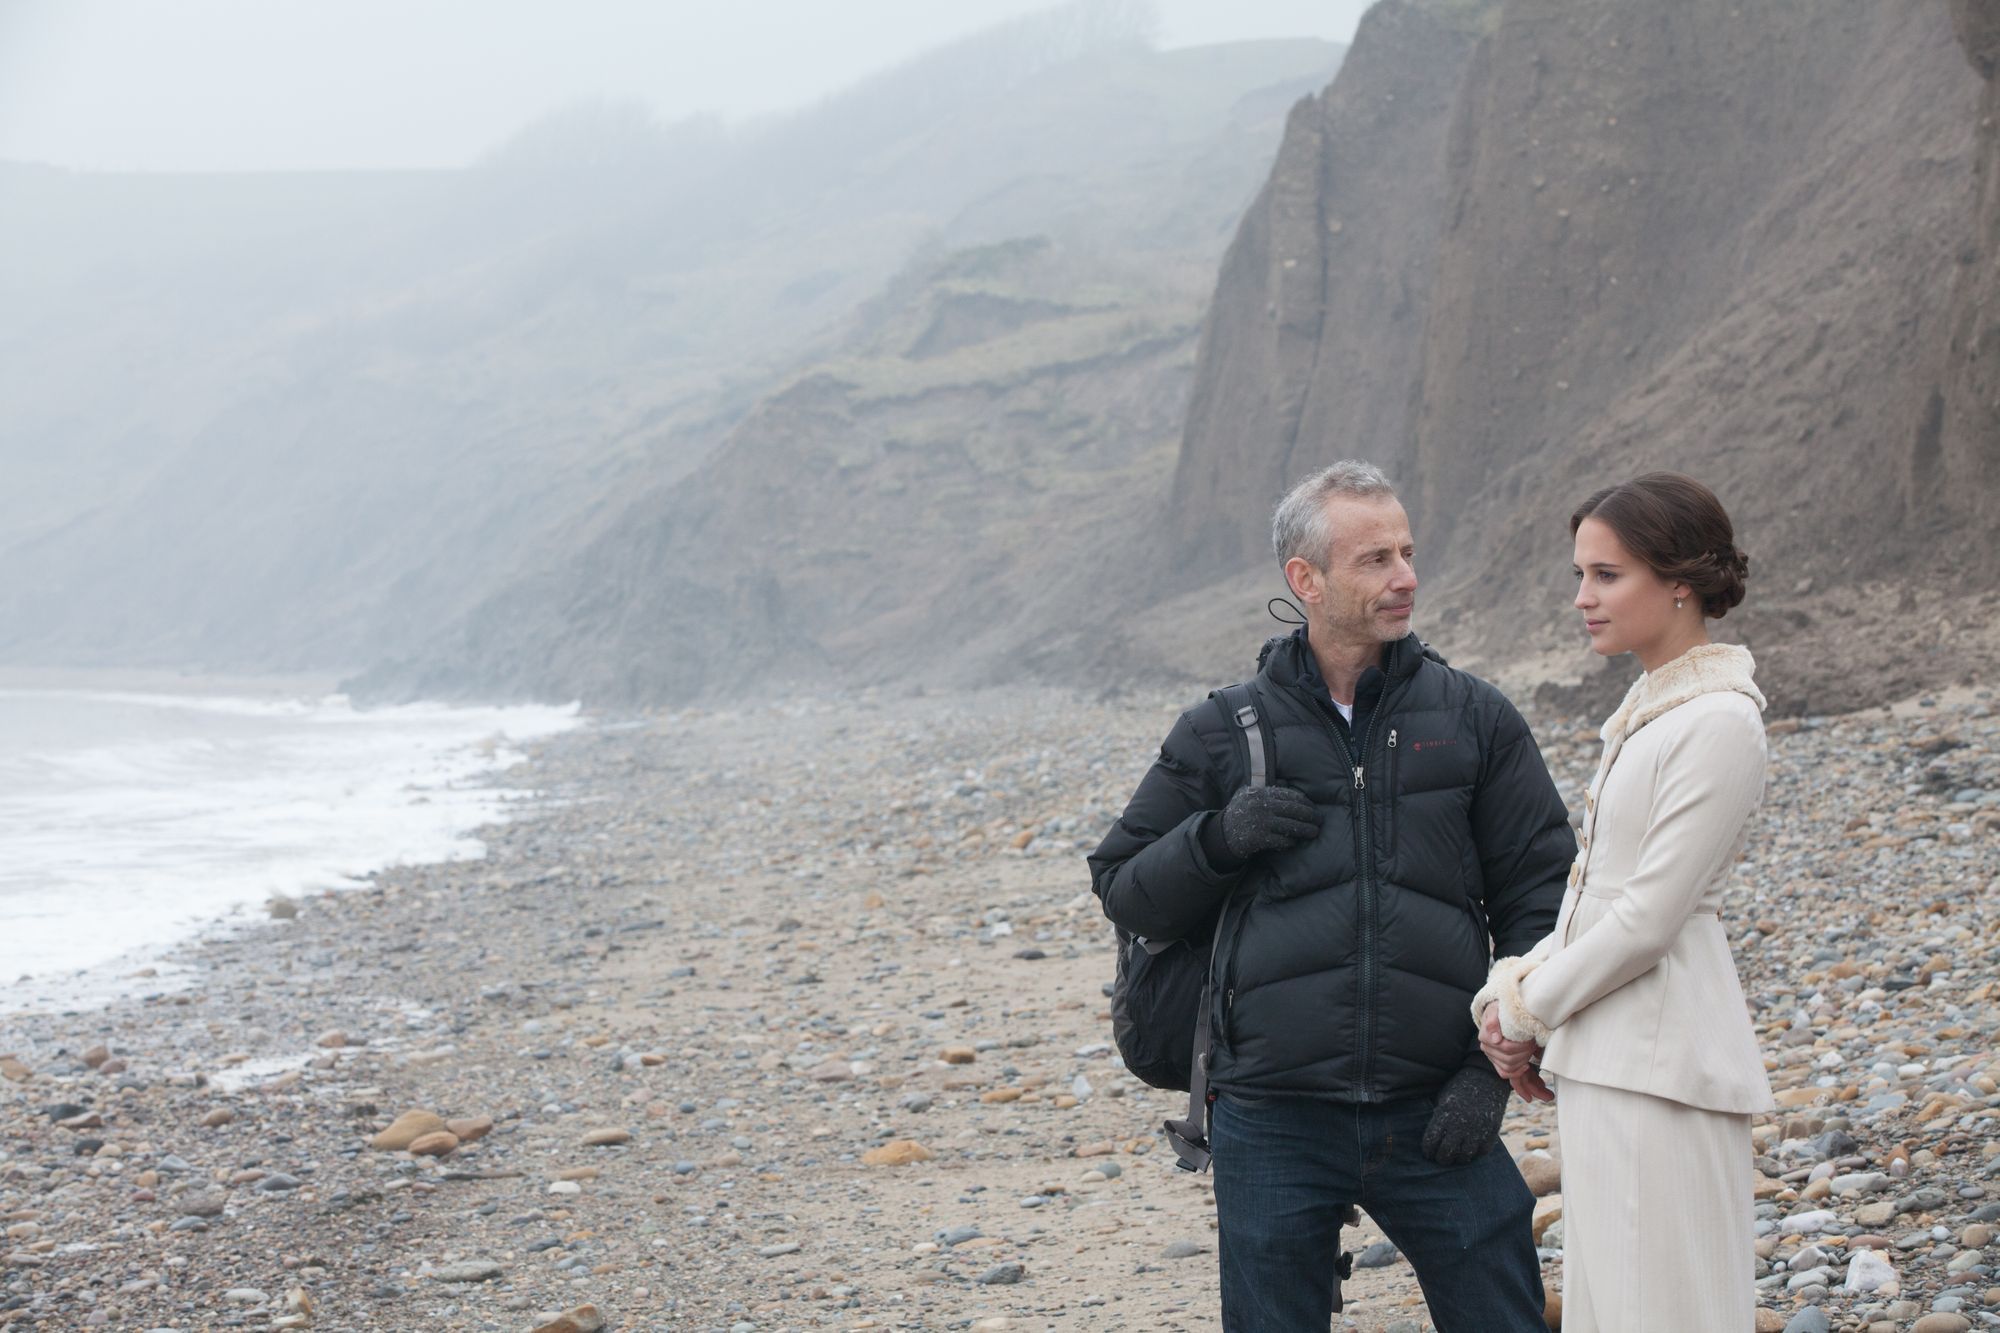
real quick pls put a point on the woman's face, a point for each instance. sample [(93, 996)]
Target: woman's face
[(1627, 608)]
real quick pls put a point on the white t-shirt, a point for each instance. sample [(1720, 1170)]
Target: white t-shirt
[(1346, 711)]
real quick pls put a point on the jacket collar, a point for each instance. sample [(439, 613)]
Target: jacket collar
[(1707, 668), (1288, 660)]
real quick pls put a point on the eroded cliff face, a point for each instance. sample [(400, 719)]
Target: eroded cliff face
[(1610, 182), (947, 500), (1313, 339), (1728, 239)]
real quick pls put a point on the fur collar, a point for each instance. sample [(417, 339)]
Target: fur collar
[(1704, 669)]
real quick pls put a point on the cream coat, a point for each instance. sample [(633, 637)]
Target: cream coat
[(1636, 988)]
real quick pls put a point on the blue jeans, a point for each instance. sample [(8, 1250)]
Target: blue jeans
[(1287, 1167)]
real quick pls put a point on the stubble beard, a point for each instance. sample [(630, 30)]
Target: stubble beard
[(1392, 631), (1366, 626)]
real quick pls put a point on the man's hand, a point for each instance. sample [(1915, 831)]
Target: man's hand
[(1466, 1123), (1510, 1058), (1267, 819)]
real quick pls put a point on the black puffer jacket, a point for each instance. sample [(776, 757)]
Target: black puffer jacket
[(1345, 966)]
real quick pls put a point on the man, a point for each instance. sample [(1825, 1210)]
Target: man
[(1410, 828)]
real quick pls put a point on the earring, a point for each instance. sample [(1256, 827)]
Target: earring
[(1677, 603)]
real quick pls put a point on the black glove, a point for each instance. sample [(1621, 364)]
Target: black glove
[(1466, 1123), (1267, 819)]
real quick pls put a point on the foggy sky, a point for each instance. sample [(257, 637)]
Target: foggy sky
[(230, 85)]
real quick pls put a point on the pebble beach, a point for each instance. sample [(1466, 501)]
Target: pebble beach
[(795, 1018)]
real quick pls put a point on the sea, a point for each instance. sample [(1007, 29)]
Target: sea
[(133, 820)]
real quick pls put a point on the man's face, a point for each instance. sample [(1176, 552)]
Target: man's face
[(1368, 590)]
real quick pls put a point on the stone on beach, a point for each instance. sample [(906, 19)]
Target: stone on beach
[(1869, 1271), (208, 1203), (1875, 1214), (470, 1129), (1548, 1211), (581, 1319), (897, 1152), (437, 1143), (1942, 1322), (1541, 1171), (406, 1129), (470, 1270)]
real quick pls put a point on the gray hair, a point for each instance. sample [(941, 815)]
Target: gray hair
[(1300, 526)]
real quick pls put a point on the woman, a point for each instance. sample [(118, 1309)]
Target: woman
[(1634, 999)]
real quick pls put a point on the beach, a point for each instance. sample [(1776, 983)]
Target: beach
[(794, 1017)]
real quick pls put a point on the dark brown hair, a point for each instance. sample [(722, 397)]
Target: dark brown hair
[(1677, 526)]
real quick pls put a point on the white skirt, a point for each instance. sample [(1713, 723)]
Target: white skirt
[(1657, 1214)]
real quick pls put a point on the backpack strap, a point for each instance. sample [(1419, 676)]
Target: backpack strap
[(1238, 706), (1189, 1137), (1236, 714)]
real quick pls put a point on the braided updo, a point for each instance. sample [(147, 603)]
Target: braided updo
[(1677, 526)]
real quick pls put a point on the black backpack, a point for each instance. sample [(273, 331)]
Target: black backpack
[(1160, 1001)]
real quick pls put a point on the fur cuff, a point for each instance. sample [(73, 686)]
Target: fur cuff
[(1503, 987)]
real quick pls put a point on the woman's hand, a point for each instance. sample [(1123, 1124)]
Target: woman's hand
[(1510, 1059), (1529, 1087)]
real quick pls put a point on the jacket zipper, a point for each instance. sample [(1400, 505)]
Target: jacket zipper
[(1391, 821), (1369, 906)]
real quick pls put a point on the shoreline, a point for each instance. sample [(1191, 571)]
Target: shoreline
[(145, 819), (741, 952)]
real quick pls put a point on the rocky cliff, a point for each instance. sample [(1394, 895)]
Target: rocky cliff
[(928, 506), (1515, 250), (1740, 240), (1314, 338)]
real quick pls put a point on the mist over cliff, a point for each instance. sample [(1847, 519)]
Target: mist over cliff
[(993, 367), (308, 421)]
